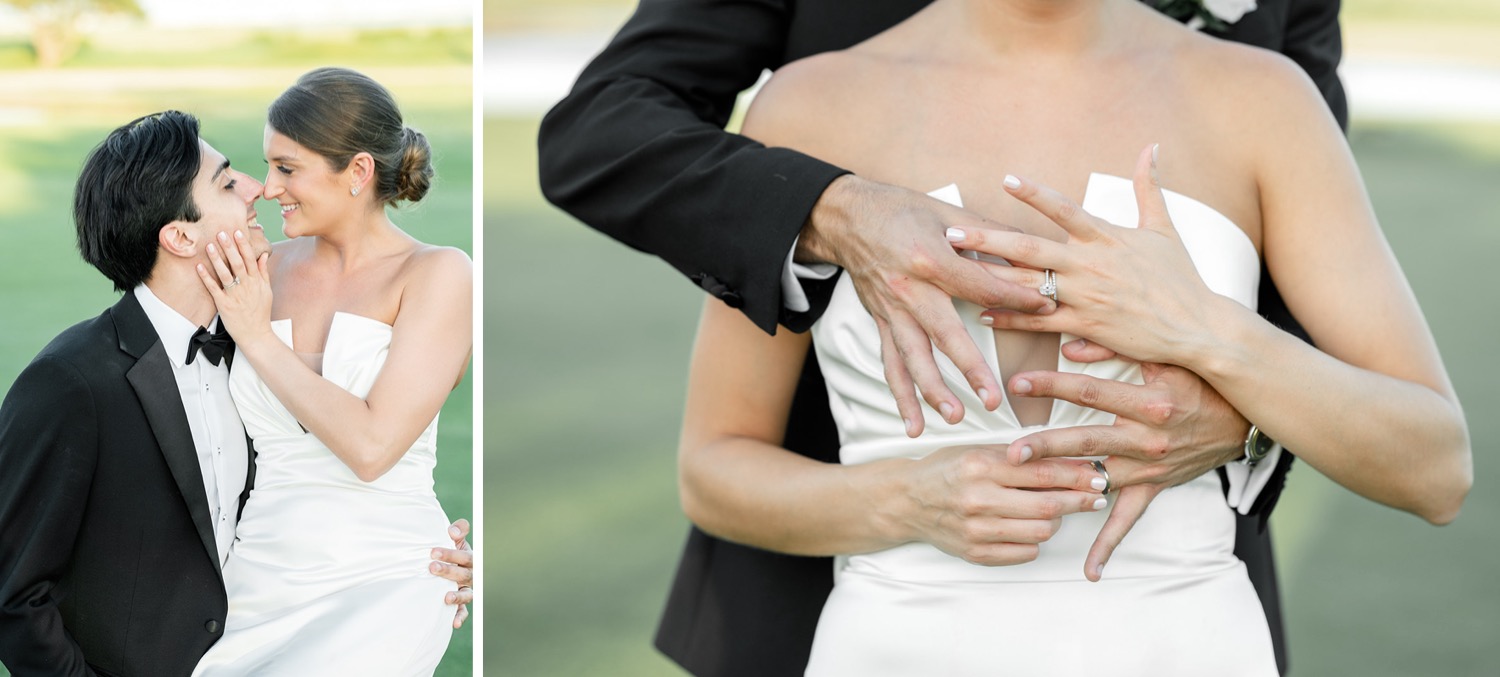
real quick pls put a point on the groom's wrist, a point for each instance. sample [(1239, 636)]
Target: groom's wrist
[(830, 217)]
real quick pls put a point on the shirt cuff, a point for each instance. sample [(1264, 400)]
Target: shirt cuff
[(792, 295), (1245, 483)]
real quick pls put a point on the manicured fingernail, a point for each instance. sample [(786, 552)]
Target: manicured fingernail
[(946, 410), (1021, 386), (1025, 454), (1100, 503), (954, 235), (223, 236), (1081, 343), (1154, 148), (1098, 484), (1012, 182), (451, 598), (1099, 570), (987, 320), (436, 553), (239, 235), (909, 428), (984, 395), (453, 531)]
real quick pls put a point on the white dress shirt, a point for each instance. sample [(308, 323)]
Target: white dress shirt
[(218, 434), (792, 274)]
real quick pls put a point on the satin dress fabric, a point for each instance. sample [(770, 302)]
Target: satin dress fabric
[(328, 573), (1174, 599)]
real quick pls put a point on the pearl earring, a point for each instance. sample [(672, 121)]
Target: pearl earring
[(354, 191)]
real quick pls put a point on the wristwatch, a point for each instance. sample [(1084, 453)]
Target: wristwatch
[(1258, 445)]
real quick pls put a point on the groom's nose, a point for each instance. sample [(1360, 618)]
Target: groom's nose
[(250, 189)]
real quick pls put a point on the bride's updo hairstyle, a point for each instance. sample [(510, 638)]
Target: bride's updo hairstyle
[(338, 113)]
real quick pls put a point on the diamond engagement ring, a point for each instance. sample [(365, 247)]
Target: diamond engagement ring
[(1099, 466), (231, 284), (1049, 285)]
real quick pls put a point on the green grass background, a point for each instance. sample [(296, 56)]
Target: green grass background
[(45, 287), (588, 344)]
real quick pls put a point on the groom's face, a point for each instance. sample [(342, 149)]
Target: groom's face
[(226, 200)]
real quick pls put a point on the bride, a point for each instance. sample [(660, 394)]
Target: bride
[(967, 92), (341, 393)]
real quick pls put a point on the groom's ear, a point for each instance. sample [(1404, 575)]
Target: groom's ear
[(179, 238)]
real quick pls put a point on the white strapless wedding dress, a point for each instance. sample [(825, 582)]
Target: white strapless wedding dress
[(328, 574), (1174, 599)]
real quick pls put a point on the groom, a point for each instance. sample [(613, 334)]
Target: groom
[(123, 463), (637, 150)]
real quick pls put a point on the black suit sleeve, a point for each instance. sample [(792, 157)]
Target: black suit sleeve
[(637, 150), (47, 456), (1315, 42)]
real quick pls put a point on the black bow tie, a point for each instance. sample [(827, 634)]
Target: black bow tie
[(213, 345)]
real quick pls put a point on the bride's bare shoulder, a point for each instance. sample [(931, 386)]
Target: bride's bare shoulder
[(435, 274), (448, 263), (807, 103), (1250, 82)]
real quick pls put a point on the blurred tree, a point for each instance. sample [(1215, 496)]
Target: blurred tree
[(54, 24)]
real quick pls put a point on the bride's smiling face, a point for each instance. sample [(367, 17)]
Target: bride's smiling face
[(311, 194)]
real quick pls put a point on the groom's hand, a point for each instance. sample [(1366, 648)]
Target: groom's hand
[(1167, 431), (891, 242), (457, 564)]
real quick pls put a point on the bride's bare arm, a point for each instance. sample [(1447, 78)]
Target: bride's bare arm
[(737, 482), (1371, 406), (430, 344), (1374, 410)]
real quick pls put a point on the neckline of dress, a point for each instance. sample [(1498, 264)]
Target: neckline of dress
[(283, 330), (336, 315), (1227, 222)]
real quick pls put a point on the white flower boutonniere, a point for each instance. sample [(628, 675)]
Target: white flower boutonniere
[(1211, 14)]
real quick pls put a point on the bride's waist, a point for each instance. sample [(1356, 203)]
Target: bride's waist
[(1187, 531), (286, 538), (303, 461), (323, 519), (860, 447)]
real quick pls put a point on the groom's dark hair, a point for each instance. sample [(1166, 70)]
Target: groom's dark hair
[(137, 180)]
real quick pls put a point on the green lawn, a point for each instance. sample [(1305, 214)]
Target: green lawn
[(45, 287), (145, 47), (588, 344)]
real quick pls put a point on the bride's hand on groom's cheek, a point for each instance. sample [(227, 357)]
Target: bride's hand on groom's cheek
[(456, 564), (890, 241), (239, 281)]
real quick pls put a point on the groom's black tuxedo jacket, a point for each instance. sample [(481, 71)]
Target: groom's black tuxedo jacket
[(107, 557), (637, 151)]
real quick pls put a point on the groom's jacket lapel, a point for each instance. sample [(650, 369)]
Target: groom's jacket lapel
[(152, 379)]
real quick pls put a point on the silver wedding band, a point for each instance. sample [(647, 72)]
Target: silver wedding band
[(231, 284), (1049, 284), (1099, 466)]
